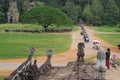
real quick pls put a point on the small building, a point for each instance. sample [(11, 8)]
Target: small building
[(13, 13)]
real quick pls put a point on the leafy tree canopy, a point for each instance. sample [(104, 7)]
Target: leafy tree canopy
[(46, 15), (111, 12), (2, 17), (87, 13), (71, 11)]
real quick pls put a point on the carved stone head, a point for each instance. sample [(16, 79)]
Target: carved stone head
[(81, 45), (101, 55), (49, 52)]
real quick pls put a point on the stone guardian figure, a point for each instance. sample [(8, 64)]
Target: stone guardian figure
[(80, 53), (100, 67)]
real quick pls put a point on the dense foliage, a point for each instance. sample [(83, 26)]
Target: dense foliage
[(96, 12), (45, 15)]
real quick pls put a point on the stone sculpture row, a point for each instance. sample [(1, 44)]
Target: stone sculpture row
[(29, 71), (15, 75), (83, 31)]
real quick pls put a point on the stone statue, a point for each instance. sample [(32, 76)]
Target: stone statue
[(80, 53), (80, 56), (49, 52), (100, 67), (47, 65)]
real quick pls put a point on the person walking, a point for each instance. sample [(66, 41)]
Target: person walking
[(108, 58)]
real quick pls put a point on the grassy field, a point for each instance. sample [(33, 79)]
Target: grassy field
[(111, 38), (1, 78), (105, 28), (16, 45)]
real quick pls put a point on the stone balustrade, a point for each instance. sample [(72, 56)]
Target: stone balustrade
[(15, 74)]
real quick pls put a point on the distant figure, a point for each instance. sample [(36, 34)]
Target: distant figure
[(108, 58), (113, 60)]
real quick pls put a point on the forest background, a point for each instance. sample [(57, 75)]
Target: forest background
[(94, 12)]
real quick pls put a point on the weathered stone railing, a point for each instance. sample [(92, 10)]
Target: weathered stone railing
[(47, 65), (83, 32), (16, 74), (29, 71), (78, 70)]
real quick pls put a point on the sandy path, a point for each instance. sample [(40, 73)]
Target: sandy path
[(61, 58)]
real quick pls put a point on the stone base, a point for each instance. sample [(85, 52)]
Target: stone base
[(84, 72)]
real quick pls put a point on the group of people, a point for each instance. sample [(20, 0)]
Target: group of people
[(96, 44)]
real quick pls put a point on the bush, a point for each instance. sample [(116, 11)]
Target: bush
[(118, 25), (117, 61)]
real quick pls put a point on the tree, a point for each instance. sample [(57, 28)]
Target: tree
[(2, 17), (25, 5), (79, 12), (4, 4), (118, 3), (61, 3), (20, 6), (97, 11), (53, 3), (111, 13), (87, 14), (45, 15), (82, 3), (71, 10)]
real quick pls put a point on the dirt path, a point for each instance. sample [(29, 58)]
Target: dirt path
[(61, 58)]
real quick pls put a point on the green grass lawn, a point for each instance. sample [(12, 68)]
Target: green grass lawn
[(105, 28), (16, 45), (1, 78), (113, 39)]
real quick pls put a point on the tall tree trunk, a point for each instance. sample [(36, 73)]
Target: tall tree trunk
[(45, 27)]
